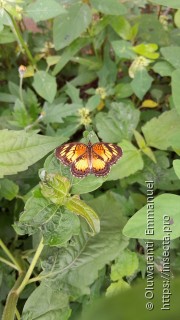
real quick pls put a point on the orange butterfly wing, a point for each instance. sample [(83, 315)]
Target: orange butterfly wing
[(97, 158), (104, 155), (76, 156), (70, 152)]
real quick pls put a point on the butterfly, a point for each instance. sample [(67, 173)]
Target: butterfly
[(84, 159)]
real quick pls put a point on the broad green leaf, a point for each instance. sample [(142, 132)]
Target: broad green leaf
[(121, 26), (77, 266), (123, 50), (176, 165), (37, 212), (163, 68), (60, 228), (6, 36), (172, 55), (119, 123), (113, 7), (130, 162), (55, 113), (158, 219), (125, 265), (158, 171), (177, 18), (79, 207), (57, 224), (127, 304), (175, 83), (147, 50), (141, 83), (151, 30), (116, 287), (45, 85), (8, 189), (123, 90), (169, 3), (69, 52), (41, 10), (71, 25), (164, 131), (87, 184), (55, 188), (20, 149), (46, 303)]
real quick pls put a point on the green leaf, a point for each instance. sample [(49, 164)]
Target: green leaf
[(141, 83), (8, 189), (57, 112), (119, 123), (139, 139), (116, 287), (147, 50), (175, 83), (164, 131), (60, 228), (46, 303), (20, 149), (6, 36), (123, 50), (163, 68), (130, 162), (69, 52), (20, 115), (114, 7), (73, 93), (123, 90), (71, 25), (158, 219), (127, 304), (45, 85), (151, 30), (172, 55), (169, 3), (79, 207), (76, 267), (125, 265), (44, 10), (176, 165), (55, 188), (121, 26)]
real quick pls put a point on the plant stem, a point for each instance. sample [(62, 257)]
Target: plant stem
[(21, 40), (9, 254), (10, 307), (10, 264), (31, 268)]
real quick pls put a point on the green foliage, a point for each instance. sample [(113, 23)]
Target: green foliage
[(159, 226), (94, 70)]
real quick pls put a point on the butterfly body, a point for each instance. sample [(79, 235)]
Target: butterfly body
[(87, 159)]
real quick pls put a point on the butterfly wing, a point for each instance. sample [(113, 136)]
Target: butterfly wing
[(70, 152), (104, 155), (99, 166), (109, 152), (81, 167)]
